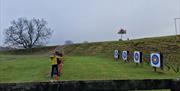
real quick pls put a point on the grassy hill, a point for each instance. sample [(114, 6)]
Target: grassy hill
[(92, 61), (169, 46)]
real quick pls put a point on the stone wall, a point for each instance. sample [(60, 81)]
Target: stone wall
[(93, 85)]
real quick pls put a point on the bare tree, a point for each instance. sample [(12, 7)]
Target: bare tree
[(68, 42), (27, 33), (122, 31), (85, 42)]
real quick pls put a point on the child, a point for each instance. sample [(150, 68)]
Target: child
[(59, 62), (54, 69)]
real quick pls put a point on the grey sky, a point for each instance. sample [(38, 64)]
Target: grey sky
[(95, 20)]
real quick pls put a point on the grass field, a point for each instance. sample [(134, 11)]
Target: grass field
[(21, 68), (91, 61), (30, 68)]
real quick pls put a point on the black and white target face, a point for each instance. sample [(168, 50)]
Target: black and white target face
[(155, 60), (124, 55), (137, 57)]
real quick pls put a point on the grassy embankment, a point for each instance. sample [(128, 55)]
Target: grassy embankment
[(91, 61)]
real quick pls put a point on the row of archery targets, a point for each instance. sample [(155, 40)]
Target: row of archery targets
[(156, 58)]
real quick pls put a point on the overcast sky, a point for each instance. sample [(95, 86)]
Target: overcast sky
[(95, 20)]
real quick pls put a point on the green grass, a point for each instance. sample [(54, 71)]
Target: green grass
[(91, 61), (23, 68), (32, 68), (95, 68), (169, 46)]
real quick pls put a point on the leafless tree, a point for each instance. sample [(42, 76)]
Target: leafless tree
[(85, 42), (27, 33), (68, 42)]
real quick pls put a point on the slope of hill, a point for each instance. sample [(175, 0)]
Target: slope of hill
[(89, 61), (168, 45)]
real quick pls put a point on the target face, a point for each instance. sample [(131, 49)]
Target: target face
[(124, 55), (155, 60), (137, 57), (116, 54)]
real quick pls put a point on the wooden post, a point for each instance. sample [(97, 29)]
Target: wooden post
[(155, 69), (136, 64)]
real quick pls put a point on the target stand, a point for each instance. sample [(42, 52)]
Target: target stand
[(156, 60), (137, 57), (116, 55), (125, 55)]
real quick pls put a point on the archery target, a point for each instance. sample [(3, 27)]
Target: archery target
[(124, 55), (137, 57), (116, 54), (155, 60)]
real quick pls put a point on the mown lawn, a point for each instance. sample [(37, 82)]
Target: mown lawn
[(28, 68), (23, 68), (93, 68)]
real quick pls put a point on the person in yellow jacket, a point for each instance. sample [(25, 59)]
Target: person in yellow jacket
[(54, 69)]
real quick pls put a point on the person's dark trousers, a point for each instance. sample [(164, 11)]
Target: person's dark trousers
[(54, 70), (59, 70)]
